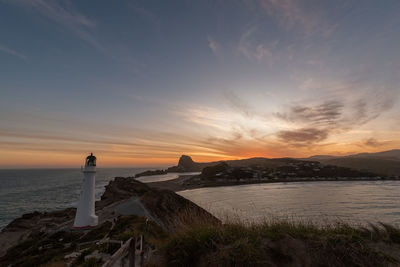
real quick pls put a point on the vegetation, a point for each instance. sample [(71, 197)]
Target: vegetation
[(97, 233), (134, 226), (283, 243), (209, 242)]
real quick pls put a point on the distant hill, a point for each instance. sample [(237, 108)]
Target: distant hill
[(260, 162), (384, 163), (320, 157), (390, 154), (376, 165), (186, 163)]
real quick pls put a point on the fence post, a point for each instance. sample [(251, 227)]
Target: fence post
[(132, 250)]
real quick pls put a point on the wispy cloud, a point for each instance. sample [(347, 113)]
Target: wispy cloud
[(215, 47), (292, 14), (325, 114), (254, 49), (12, 52), (238, 104), (148, 15), (373, 142), (314, 123), (66, 15), (303, 136)]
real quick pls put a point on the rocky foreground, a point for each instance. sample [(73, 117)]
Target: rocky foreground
[(127, 209)]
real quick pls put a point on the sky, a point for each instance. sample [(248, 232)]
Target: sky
[(139, 83)]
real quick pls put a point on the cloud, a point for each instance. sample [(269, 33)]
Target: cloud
[(215, 47), (314, 123), (326, 114), (372, 142), (293, 14), (235, 102), (290, 14), (303, 136), (12, 52), (148, 15), (63, 13), (253, 49)]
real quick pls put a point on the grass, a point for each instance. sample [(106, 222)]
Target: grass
[(97, 233), (202, 240), (92, 262), (134, 226), (283, 243)]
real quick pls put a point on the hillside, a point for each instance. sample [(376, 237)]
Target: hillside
[(380, 166), (390, 154), (383, 163), (284, 243)]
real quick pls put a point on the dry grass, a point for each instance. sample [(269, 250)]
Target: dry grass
[(282, 243)]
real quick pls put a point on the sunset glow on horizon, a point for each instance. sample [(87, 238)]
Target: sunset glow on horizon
[(139, 83)]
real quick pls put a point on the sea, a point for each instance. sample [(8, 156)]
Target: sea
[(25, 191), (327, 202)]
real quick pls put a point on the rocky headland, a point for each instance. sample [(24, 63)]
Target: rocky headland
[(127, 209)]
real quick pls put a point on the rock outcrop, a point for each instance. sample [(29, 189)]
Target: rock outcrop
[(163, 205), (186, 164)]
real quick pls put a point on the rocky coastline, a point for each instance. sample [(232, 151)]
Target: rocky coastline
[(39, 238), (166, 223)]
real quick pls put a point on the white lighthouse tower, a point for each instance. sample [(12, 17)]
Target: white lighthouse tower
[(85, 216)]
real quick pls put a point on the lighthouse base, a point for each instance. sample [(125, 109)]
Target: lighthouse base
[(90, 221)]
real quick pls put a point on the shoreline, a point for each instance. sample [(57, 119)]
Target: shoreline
[(181, 183), (128, 200)]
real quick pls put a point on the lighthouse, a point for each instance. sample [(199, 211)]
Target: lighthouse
[(85, 216)]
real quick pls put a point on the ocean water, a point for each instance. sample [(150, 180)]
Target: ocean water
[(24, 191), (356, 202)]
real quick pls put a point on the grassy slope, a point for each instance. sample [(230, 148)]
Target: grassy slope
[(208, 243), (284, 244)]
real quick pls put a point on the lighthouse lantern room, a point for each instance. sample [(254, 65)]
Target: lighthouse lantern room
[(85, 212)]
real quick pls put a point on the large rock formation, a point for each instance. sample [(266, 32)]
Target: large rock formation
[(186, 164)]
